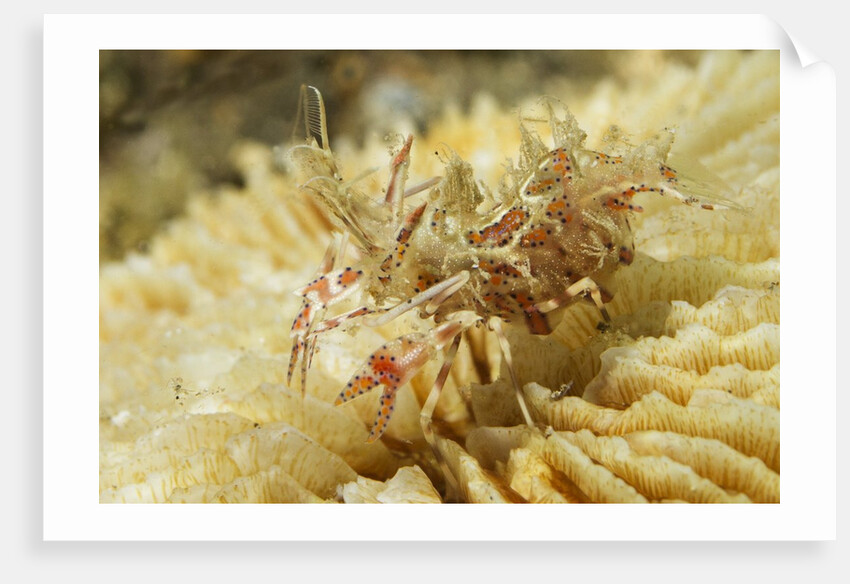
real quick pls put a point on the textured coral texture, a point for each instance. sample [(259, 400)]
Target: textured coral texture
[(676, 401)]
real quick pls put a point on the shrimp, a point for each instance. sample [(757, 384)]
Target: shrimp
[(557, 231)]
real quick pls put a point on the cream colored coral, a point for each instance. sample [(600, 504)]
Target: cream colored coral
[(599, 483), (537, 482), (409, 485), (677, 400), (718, 462), (749, 427), (476, 484)]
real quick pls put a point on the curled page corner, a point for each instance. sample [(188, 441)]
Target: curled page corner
[(805, 56)]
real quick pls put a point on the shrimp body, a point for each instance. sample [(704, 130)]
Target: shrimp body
[(557, 233), (569, 220)]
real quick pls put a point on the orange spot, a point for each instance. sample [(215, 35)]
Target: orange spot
[(317, 291), (534, 319), (560, 161), (537, 322), (510, 221), (510, 271), (615, 204), (558, 205), (537, 235), (303, 318), (320, 285), (348, 277), (523, 300), (384, 366), (496, 280)]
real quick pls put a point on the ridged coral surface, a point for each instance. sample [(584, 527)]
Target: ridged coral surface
[(677, 401)]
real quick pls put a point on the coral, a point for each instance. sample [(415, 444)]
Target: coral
[(678, 401)]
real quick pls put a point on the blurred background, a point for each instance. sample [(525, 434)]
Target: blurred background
[(168, 119)]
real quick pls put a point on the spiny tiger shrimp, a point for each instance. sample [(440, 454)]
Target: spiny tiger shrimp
[(556, 231)]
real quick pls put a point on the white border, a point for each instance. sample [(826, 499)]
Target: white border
[(71, 509)]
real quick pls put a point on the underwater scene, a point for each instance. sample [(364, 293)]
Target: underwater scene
[(439, 277)]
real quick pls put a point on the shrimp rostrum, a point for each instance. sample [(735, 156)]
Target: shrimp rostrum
[(555, 231)]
